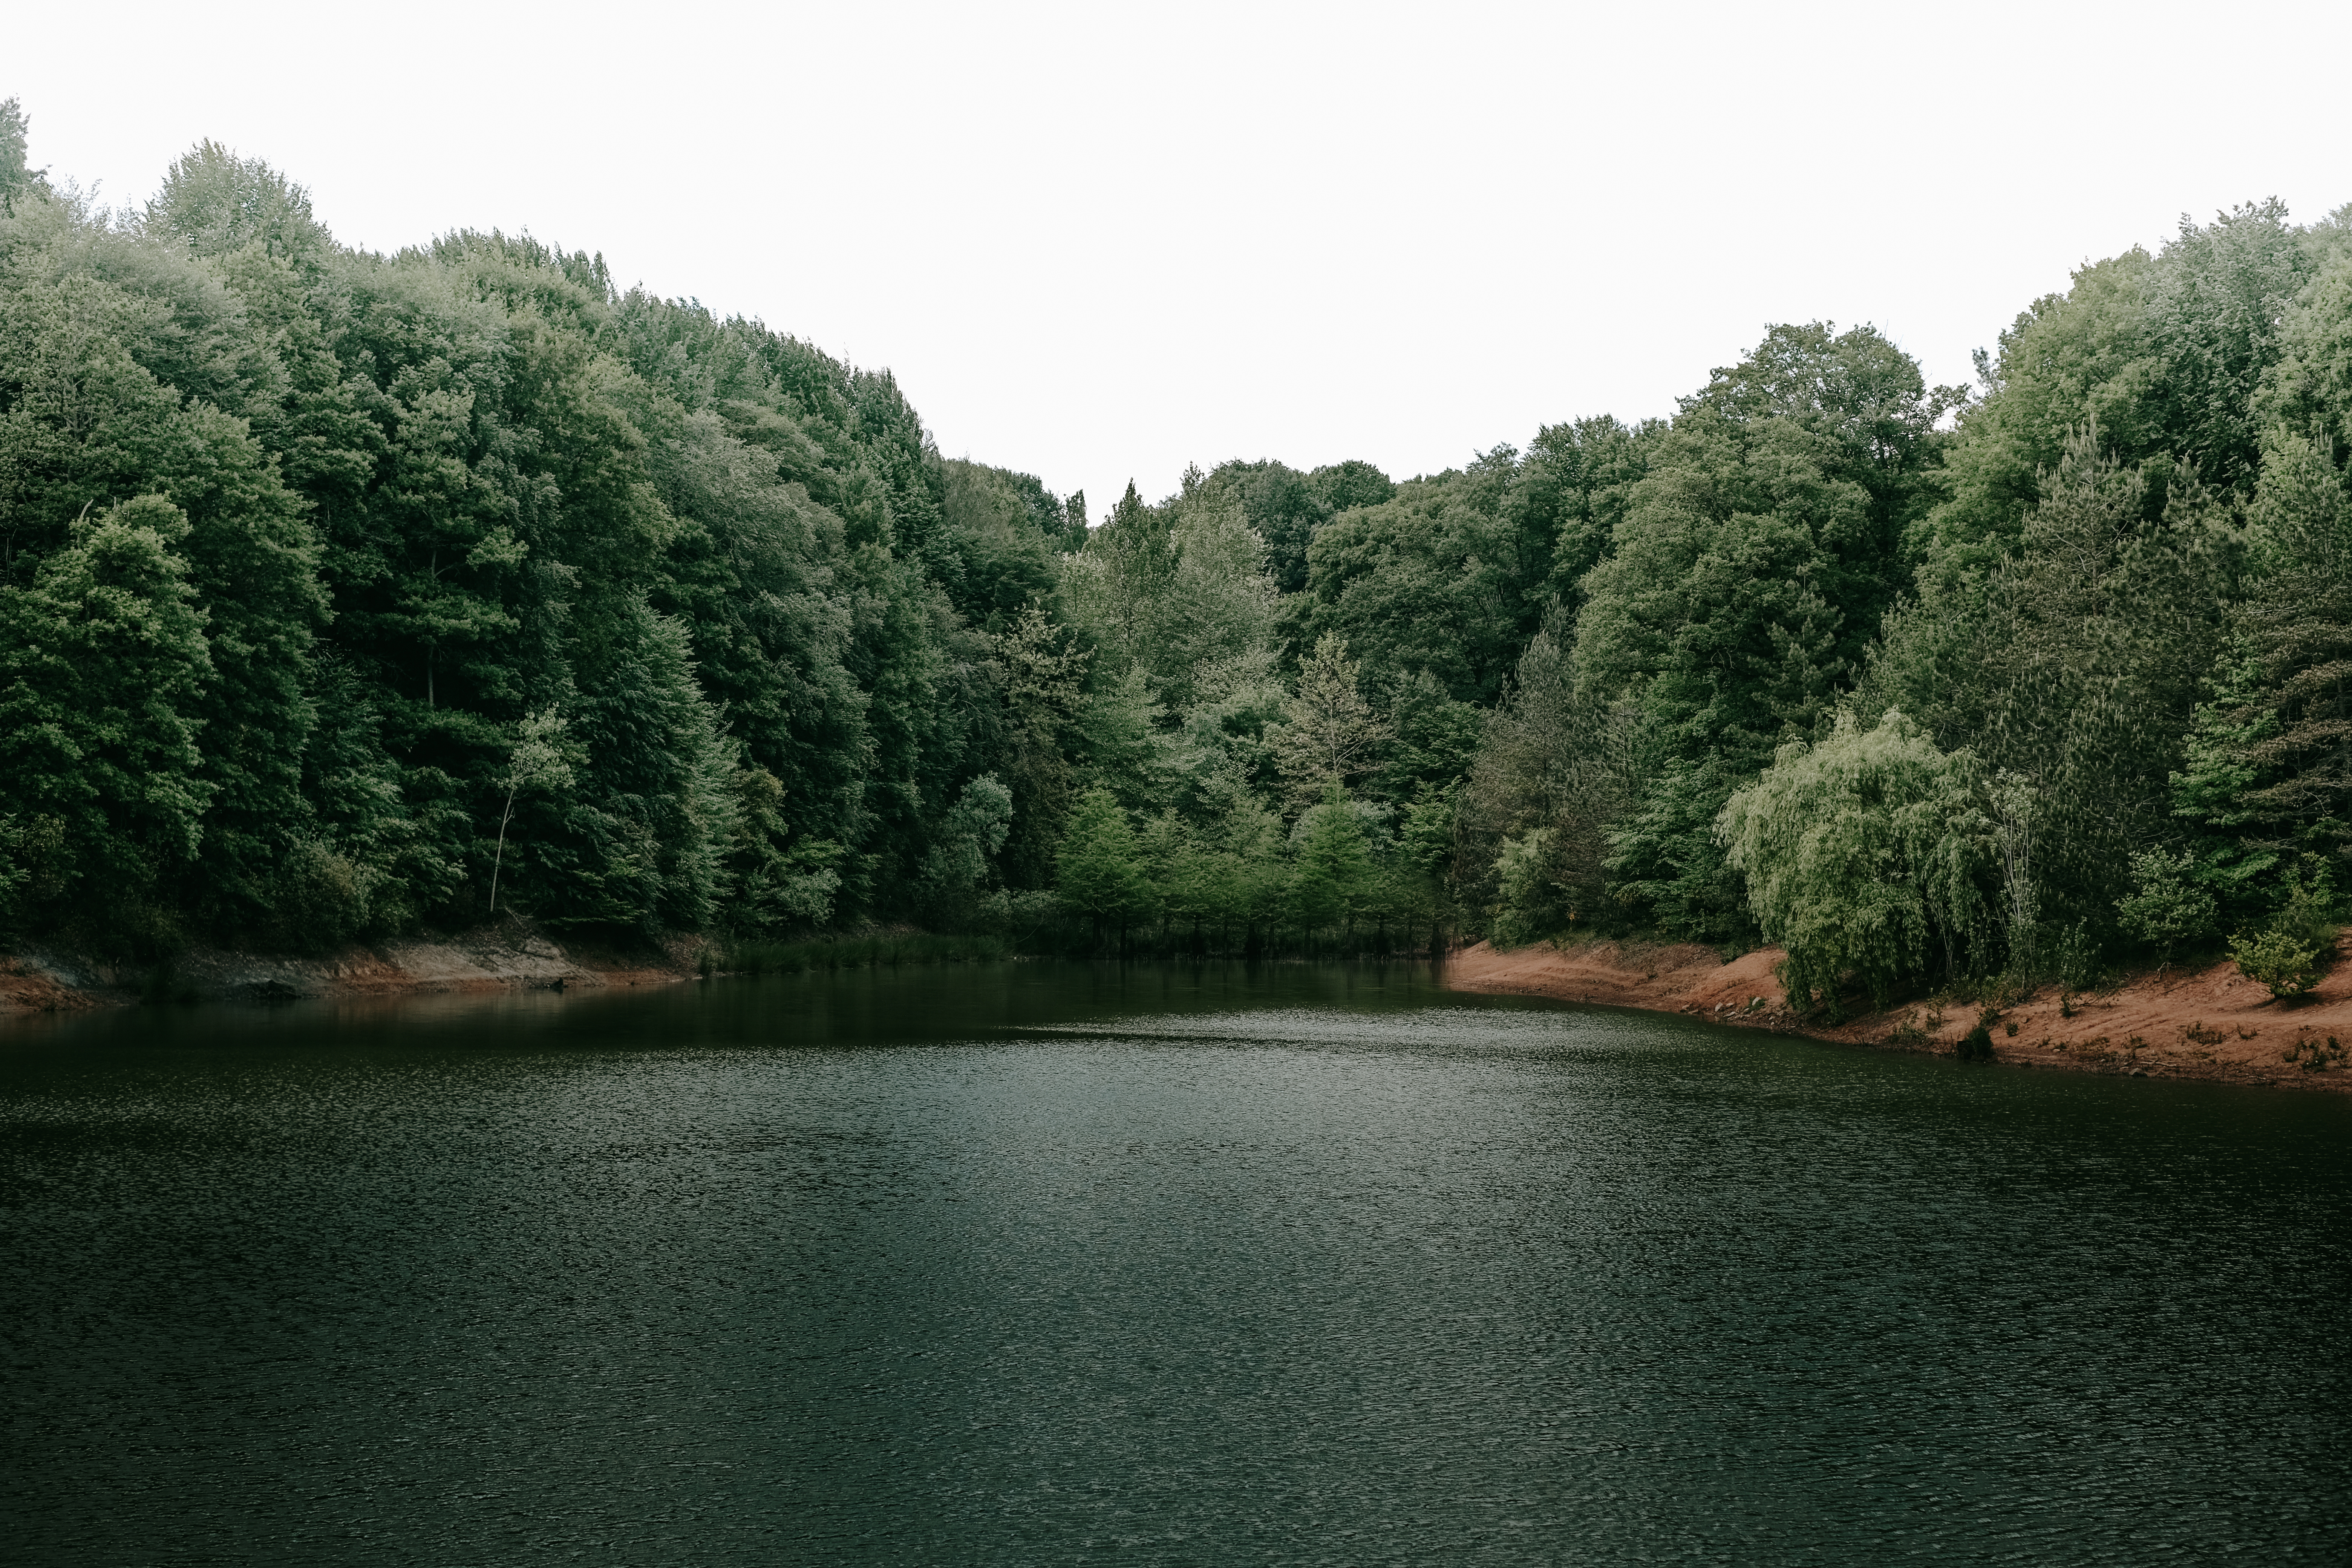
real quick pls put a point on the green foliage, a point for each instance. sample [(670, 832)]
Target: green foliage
[(1666, 861), (2165, 356), (1858, 853), (1759, 552), (1431, 738), (2277, 958), (301, 548), (15, 871), (2266, 775), (417, 497), (1332, 884), (1040, 675), (539, 760), (2166, 906), (1099, 870), (1328, 737), (1179, 592), (967, 838), (2290, 953), (1447, 577), (1755, 559), (1427, 838), (781, 882), (215, 203), (999, 534), (1555, 772), (107, 666), (16, 178), (2072, 670), (1530, 900), (2075, 958)]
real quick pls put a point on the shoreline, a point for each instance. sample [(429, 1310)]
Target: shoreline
[(2209, 1024), (512, 956)]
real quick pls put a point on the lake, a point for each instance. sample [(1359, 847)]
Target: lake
[(1045, 1263)]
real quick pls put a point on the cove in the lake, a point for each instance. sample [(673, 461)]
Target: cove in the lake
[(1042, 1263)]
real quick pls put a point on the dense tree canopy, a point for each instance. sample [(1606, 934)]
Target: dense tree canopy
[(336, 586)]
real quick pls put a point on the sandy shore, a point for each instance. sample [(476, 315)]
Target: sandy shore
[(507, 956), (2209, 1023)]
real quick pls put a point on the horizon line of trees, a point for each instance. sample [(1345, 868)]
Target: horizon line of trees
[(338, 589)]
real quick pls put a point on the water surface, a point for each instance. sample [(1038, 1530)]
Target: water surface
[(1035, 1263)]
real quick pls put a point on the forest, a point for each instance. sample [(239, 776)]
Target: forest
[(346, 594)]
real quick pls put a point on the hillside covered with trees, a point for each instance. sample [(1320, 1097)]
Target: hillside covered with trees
[(343, 593)]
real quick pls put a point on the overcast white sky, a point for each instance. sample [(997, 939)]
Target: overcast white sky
[(1100, 242)]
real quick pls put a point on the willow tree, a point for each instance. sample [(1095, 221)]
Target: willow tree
[(1746, 579), (1859, 853)]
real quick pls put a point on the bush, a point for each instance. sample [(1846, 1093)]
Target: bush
[(2278, 959), (2285, 954), (2077, 958), (321, 898), (1975, 1045)]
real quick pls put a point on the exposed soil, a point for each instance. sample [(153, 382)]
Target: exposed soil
[(510, 955), (2208, 1023)]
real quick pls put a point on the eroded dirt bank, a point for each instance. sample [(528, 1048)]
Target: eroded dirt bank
[(508, 956), (2209, 1023)]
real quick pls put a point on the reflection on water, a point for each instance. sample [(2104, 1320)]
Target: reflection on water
[(1034, 1263)]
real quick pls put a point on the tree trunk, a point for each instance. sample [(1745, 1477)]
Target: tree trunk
[(498, 863)]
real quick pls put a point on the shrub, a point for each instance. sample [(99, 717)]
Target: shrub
[(1975, 1045), (2278, 959), (2285, 954), (321, 896), (2077, 958)]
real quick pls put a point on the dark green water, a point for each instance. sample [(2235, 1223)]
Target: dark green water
[(1050, 1264)]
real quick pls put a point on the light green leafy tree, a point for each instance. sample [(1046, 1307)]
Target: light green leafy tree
[(1858, 852), (538, 761), (2290, 953), (781, 878), (1332, 880), (1100, 869)]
